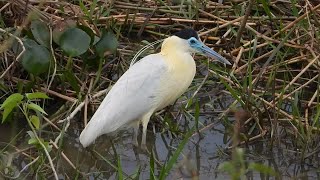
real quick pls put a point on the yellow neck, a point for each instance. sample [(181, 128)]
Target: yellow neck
[(181, 70), (176, 53)]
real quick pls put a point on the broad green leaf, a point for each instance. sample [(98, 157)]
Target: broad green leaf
[(36, 107), (6, 112), (16, 47), (35, 121), (75, 42), (9, 104), (88, 31), (40, 32), (13, 99), (108, 42), (28, 43), (33, 140), (96, 39), (60, 28), (36, 95), (36, 59)]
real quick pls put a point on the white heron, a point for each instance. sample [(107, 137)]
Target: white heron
[(151, 84)]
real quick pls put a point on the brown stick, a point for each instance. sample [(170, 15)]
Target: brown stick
[(243, 24)]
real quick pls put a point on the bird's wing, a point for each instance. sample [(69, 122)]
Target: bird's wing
[(132, 96)]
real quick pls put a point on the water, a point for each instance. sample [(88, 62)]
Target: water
[(200, 157)]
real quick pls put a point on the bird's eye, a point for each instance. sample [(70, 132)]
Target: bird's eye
[(192, 41)]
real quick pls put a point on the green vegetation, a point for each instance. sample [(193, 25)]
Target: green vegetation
[(58, 59)]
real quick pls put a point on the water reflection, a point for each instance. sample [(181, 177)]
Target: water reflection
[(199, 159)]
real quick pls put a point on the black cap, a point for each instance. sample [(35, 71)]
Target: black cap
[(187, 34)]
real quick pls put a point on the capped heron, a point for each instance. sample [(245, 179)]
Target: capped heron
[(151, 84)]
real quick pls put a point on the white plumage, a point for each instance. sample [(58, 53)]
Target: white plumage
[(128, 100), (151, 84)]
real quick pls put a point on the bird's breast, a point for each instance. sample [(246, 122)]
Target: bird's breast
[(181, 71)]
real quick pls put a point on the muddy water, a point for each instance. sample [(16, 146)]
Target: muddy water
[(199, 157)]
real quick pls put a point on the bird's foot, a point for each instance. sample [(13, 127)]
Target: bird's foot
[(135, 143), (144, 147)]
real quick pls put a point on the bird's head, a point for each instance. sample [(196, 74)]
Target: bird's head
[(187, 40)]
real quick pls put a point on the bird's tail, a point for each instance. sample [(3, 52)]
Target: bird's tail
[(89, 134)]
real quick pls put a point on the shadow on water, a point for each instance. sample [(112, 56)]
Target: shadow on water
[(201, 157)]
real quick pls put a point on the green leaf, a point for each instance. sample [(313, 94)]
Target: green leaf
[(75, 42), (262, 168), (60, 28), (233, 92), (33, 141), (40, 32), (265, 5), (30, 133), (36, 107), (35, 121), (120, 172), (108, 42), (47, 145), (9, 104), (72, 80), (89, 31), (13, 99), (36, 95), (16, 47), (152, 176), (96, 39), (36, 59), (6, 112)]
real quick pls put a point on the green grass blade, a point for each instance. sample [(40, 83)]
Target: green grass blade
[(120, 174), (166, 168)]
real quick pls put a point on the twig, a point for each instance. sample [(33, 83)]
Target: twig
[(235, 64), (5, 6), (243, 24), (66, 158), (24, 168), (19, 55), (41, 144), (291, 24), (222, 26), (302, 71), (79, 107), (67, 98), (54, 59)]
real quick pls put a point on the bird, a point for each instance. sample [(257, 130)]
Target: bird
[(149, 85)]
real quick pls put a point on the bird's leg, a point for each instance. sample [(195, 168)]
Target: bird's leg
[(145, 121), (135, 133)]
